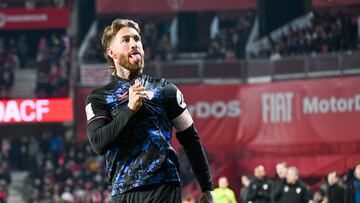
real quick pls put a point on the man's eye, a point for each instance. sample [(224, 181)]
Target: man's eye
[(126, 40)]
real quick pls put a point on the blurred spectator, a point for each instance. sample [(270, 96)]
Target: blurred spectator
[(260, 188), (336, 191), (9, 61), (53, 62), (5, 178), (352, 192), (293, 191), (279, 182), (229, 43), (223, 194), (245, 181)]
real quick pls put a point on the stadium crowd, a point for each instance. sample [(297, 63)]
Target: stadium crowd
[(327, 33), (229, 43), (62, 169), (52, 60), (287, 186)]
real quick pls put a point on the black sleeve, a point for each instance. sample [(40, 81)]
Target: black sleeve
[(102, 130), (190, 141), (174, 101), (252, 192), (188, 138), (278, 187)]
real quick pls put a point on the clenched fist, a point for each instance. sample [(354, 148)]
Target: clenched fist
[(136, 96)]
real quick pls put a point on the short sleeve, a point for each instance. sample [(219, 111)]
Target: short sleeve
[(176, 108), (95, 108)]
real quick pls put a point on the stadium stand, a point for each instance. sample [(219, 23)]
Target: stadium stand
[(55, 166)]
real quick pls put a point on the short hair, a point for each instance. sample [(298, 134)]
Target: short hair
[(109, 34), (294, 170)]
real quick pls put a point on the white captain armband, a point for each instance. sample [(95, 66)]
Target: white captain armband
[(89, 112), (183, 121)]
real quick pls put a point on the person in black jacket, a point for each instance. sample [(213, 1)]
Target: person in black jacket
[(336, 192), (294, 191), (352, 191), (260, 188), (279, 182), (245, 181)]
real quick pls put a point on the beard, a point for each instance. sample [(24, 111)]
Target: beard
[(134, 69)]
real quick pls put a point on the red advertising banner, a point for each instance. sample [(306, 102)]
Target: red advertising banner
[(38, 18), (270, 116), (334, 3), (278, 114), (36, 110), (169, 6)]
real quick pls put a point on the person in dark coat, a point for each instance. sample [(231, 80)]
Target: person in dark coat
[(352, 191), (260, 188), (279, 182), (245, 181), (294, 191), (336, 192)]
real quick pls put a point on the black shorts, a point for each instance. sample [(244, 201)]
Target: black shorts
[(157, 193)]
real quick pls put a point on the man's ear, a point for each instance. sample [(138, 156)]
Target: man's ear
[(110, 52)]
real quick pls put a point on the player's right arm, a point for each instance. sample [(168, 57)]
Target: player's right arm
[(102, 129)]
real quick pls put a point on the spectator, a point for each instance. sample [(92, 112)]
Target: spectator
[(352, 192), (279, 182), (336, 192), (245, 181), (293, 191), (260, 188), (223, 194)]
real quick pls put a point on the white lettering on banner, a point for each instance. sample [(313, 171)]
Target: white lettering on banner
[(27, 18), (216, 109), (23, 107), (42, 107), (276, 107), (11, 112), (27, 110), (315, 105)]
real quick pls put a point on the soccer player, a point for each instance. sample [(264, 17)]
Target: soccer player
[(131, 120)]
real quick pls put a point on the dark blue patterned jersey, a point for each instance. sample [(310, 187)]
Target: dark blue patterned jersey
[(137, 145)]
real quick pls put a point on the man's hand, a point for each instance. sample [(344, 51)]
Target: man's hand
[(206, 197), (136, 96)]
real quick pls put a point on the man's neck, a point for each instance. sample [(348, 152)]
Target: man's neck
[(126, 74)]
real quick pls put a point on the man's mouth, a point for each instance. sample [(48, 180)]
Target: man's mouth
[(136, 56)]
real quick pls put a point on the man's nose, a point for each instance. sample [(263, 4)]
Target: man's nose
[(133, 43)]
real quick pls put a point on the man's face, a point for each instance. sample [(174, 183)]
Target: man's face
[(126, 50), (223, 183), (245, 181), (357, 171), (332, 178), (291, 177), (281, 170), (259, 172)]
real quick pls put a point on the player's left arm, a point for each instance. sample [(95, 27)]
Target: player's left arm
[(187, 135)]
